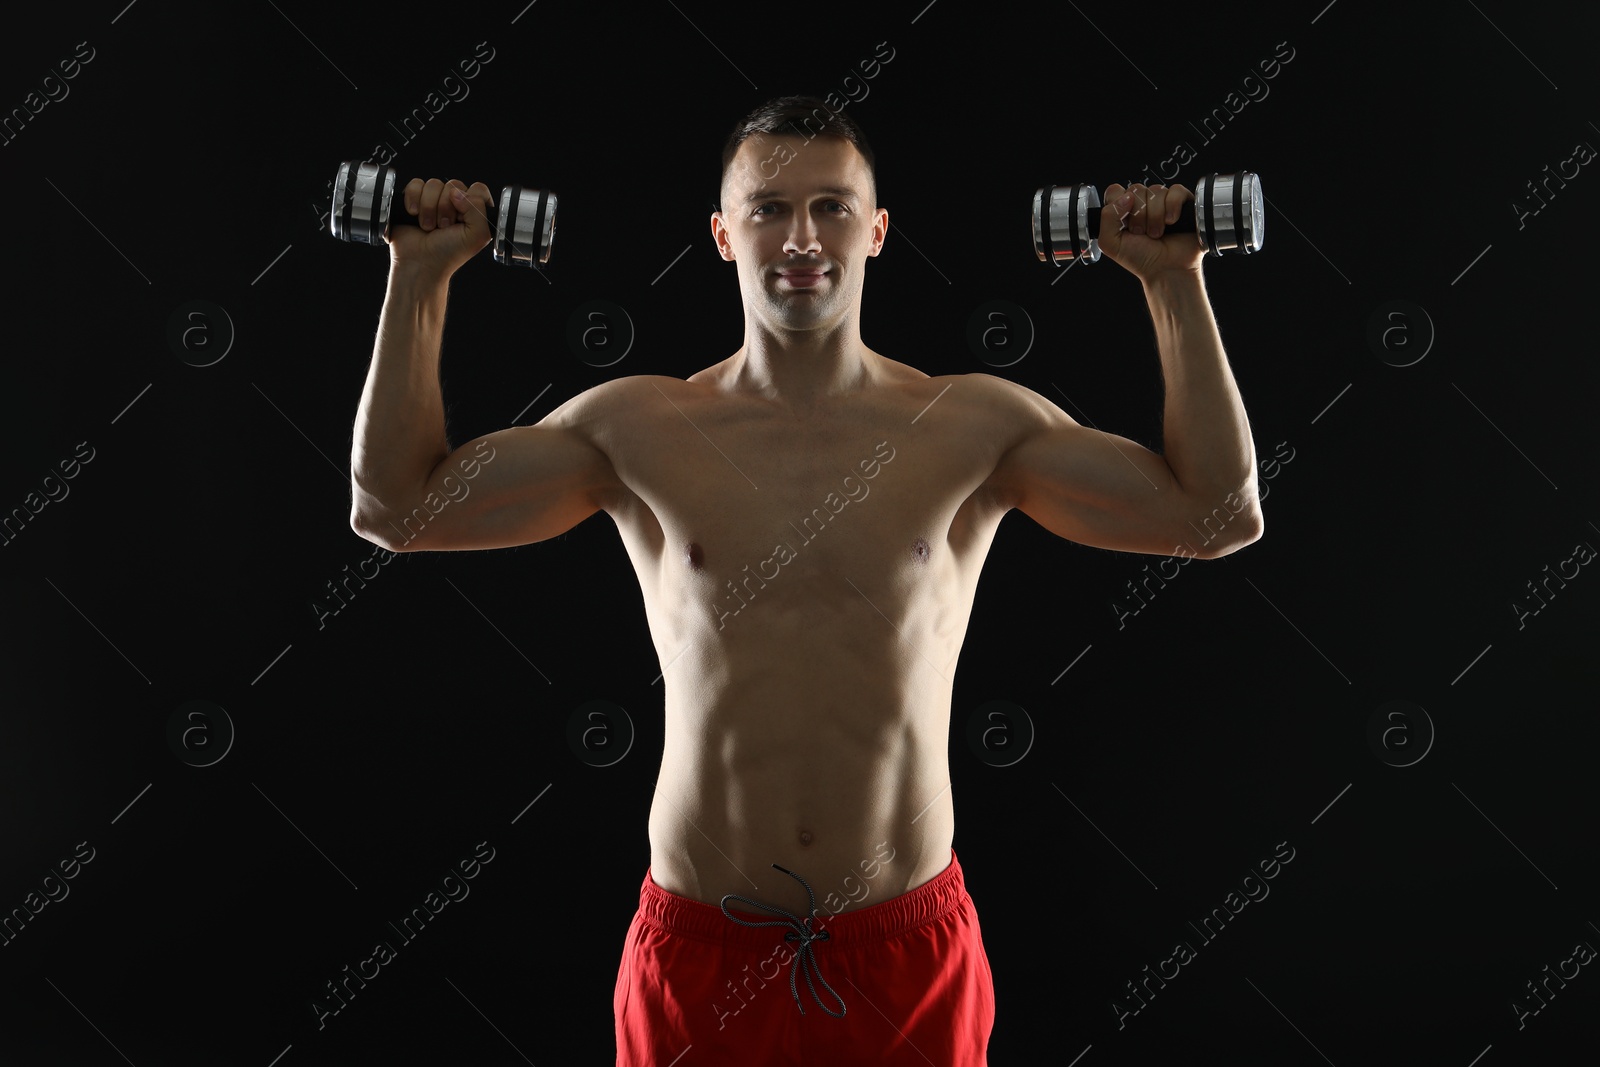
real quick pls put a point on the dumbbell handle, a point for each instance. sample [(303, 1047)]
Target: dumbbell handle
[(368, 203), (1226, 213)]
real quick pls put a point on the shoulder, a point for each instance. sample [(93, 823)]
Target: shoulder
[(1001, 409), (704, 376), (636, 385), (1005, 395), (1007, 419), (608, 401), (607, 418), (605, 415)]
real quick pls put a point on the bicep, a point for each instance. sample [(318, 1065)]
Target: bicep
[(511, 487), (1093, 487)]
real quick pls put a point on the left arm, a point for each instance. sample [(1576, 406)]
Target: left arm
[(1205, 432), (1202, 493)]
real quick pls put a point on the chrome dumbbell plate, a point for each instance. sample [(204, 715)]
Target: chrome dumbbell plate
[(1229, 210), (363, 195), (1066, 223), (526, 226)]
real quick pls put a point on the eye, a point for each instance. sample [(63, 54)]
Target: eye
[(835, 203)]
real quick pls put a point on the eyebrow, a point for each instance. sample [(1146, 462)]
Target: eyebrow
[(778, 194)]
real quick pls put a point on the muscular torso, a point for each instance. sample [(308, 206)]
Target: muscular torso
[(808, 579)]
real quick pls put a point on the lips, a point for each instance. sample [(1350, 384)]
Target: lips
[(802, 279)]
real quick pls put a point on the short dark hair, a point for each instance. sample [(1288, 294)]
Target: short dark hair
[(797, 116)]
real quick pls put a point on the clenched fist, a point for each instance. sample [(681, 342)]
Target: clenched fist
[(453, 223)]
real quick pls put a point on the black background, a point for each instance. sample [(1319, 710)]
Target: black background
[(190, 162)]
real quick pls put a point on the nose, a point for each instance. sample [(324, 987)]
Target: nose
[(803, 238)]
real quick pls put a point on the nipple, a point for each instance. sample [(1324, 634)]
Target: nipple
[(919, 549)]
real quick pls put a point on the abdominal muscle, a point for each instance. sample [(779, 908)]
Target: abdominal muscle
[(831, 765), (807, 704)]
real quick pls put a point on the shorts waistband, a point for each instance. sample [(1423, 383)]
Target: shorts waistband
[(685, 917)]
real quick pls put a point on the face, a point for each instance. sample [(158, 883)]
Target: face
[(792, 208)]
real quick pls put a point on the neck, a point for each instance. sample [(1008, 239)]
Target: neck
[(803, 370)]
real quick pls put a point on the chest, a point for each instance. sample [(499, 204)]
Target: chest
[(726, 490)]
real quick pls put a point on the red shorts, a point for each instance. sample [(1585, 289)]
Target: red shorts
[(911, 974)]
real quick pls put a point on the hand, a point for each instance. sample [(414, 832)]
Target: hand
[(451, 225), (1142, 247)]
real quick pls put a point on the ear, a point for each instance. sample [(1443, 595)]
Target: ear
[(880, 230), (719, 234)]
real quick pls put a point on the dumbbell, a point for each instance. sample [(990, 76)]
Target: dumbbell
[(366, 207), (1226, 214)]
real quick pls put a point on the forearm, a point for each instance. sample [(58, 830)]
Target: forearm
[(1205, 433), (399, 431)]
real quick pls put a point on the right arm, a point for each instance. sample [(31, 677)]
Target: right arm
[(511, 487), (410, 491)]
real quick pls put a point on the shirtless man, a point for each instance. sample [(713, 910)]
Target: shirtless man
[(807, 519)]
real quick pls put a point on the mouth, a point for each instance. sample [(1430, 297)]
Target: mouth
[(805, 279)]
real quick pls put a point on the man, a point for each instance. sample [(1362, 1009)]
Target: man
[(808, 519)]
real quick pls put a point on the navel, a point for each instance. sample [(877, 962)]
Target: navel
[(805, 837), (919, 549), (694, 556)]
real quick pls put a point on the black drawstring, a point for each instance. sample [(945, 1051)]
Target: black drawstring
[(800, 930)]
